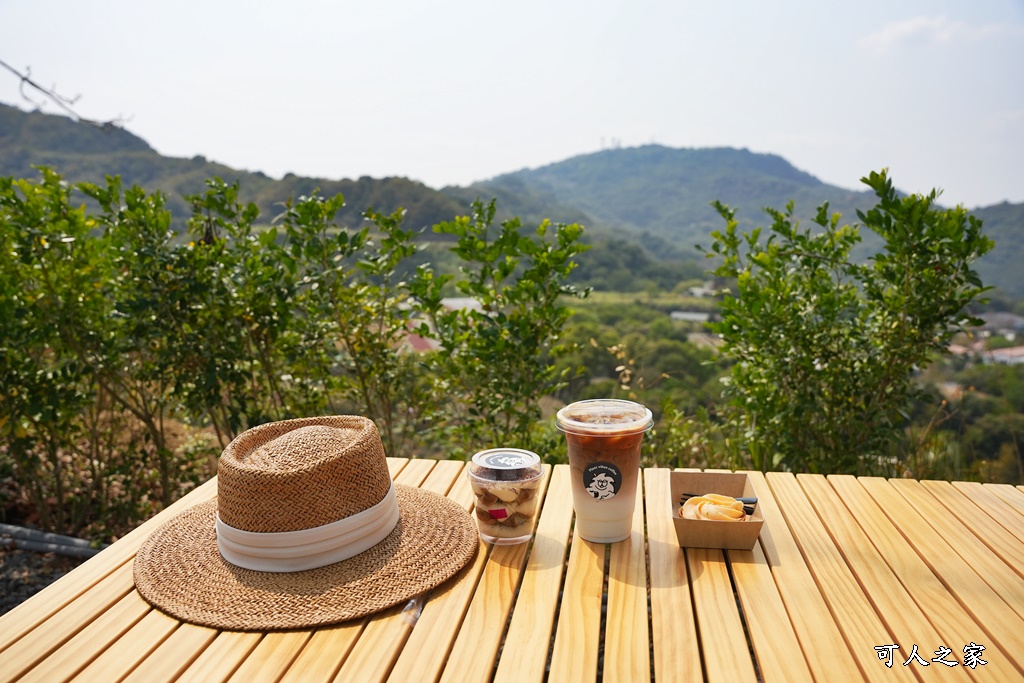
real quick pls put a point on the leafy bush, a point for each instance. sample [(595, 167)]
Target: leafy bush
[(130, 357), (824, 349), (499, 358), (84, 425)]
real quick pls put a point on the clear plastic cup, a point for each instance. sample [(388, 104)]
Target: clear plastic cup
[(505, 483), (604, 436)]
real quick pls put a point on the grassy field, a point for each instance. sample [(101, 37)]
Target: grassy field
[(668, 301)]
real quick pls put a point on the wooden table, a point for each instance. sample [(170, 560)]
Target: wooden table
[(844, 568)]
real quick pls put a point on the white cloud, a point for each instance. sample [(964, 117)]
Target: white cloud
[(940, 30)]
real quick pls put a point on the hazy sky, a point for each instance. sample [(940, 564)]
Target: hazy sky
[(453, 91)]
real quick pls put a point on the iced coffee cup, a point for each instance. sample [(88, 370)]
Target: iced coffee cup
[(604, 438), (505, 484)]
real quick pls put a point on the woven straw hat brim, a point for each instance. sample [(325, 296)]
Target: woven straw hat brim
[(180, 570)]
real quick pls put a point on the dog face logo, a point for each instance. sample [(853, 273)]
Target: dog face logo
[(601, 487), (602, 480)]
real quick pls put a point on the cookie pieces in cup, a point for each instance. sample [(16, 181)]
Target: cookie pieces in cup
[(506, 483)]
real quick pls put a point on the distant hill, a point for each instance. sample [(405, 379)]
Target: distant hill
[(667, 193), (81, 152), (1001, 268), (654, 196), (662, 196)]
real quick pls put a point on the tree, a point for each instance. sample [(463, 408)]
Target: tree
[(823, 349), (498, 359)]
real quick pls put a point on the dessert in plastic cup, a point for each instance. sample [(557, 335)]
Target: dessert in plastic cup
[(505, 483), (604, 436)]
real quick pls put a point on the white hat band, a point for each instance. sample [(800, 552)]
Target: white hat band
[(293, 551)]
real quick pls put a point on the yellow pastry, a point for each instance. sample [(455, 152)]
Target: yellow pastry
[(713, 506)]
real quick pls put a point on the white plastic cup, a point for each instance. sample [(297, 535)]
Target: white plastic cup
[(604, 437), (505, 484)]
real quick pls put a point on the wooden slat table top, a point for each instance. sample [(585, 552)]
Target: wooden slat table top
[(846, 571)]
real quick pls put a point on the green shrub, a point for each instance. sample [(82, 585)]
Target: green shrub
[(129, 357), (823, 349)]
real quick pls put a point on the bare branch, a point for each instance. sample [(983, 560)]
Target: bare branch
[(65, 103)]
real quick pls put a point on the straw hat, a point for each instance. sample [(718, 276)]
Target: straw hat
[(316, 531)]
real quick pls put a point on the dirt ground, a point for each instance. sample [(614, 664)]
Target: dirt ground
[(24, 573)]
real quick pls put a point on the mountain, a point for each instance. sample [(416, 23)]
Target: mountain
[(667, 192), (654, 196), (81, 152), (662, 197), (1000, 268)]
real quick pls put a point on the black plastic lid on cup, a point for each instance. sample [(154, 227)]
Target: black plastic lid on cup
[(505, 464)]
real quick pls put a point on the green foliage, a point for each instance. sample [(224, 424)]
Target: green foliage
[(244, 316), (131, 353), (1004, 381), (499, 358), (356, 314), (47, 293), (82, 419), (652, 196), (823, 349), (126, 352), (621, 265)]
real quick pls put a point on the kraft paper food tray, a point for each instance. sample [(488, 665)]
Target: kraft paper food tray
[(700, 533)]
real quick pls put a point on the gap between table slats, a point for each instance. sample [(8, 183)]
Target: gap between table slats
[(385, 633), (820, 638), (427, 647), (525, 649), (954, 624), (124, 654), (41, 606), (850, 607), (994, 506), (724, 648), (627, 654), (997, 619), (475, 649), (578, 631), (906, 623), (985, 528), (987, 564), (1014, 497), (173, 655), (673, 630), (104, 600)]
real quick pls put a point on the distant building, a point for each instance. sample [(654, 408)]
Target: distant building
[(1013, 355), (418, 344), (1000, 324), (707, 289), (461, 303), (691, 316)]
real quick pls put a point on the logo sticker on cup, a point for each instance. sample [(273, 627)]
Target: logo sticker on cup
[(602, 480), (507, 460)]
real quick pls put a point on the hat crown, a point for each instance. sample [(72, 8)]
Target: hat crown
[(300, 474)]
